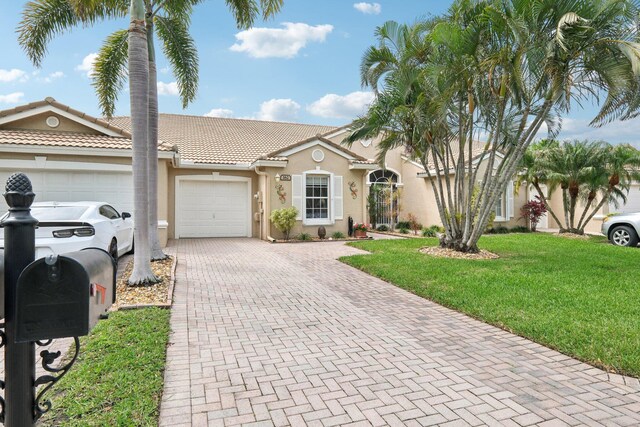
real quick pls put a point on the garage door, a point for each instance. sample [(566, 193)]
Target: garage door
[(633, 201), (213, 209), (115, 188)]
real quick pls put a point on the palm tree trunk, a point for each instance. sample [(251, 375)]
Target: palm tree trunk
[(565, 204), (605, 197), (139, 95), (584, 213), (152, 151)]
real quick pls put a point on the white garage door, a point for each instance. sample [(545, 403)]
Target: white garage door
[(213, 209), (115, 188), (633, 201)]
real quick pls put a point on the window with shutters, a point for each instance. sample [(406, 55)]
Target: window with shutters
[(317, 197)]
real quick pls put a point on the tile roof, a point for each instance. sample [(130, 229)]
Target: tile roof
[(214, 140), (67, 139)]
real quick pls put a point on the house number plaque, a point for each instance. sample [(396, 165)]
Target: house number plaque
[(285, 177)]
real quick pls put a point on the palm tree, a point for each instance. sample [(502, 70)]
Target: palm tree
[(622, 167), (501, 67), (42, 19), (572, 167)]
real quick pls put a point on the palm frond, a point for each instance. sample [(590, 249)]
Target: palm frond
[(41, 21), (111, 71), (180, 49)]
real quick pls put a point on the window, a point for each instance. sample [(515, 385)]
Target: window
[(317, 197), (499, 209), (109, 212)]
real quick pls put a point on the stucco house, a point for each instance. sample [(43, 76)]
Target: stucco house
[(216, 177), (220, 177)]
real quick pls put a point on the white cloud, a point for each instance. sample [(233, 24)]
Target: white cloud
[(279, 42), (12, 98), (12, 75), (170, 89), (220, 112), (368, 8), (341, 107), (615, 132), (88, 64), (51, 77), (279, 110)]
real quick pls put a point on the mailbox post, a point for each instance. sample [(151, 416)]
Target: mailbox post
[(19, 251), (55, 297)]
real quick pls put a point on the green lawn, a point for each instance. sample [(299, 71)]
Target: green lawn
[(581, 297), (118, 377)]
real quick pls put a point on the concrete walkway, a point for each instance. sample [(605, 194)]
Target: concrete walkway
[(284, 334)]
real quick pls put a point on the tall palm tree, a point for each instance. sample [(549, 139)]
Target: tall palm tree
[(502, 67), (43, 19)]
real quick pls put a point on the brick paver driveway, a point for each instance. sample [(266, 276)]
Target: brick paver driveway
[(286, 335)]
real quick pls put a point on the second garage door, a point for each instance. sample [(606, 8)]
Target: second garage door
[(633, 201), (115, 188), (208, 208)]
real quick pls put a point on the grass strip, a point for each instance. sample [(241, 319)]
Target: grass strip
[(118, 377)]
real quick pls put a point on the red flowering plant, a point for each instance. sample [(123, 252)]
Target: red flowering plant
[(533, 210), (361, 226)]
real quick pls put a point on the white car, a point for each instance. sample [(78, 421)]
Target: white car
[(72, 226)]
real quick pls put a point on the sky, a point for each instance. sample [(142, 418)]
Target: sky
[(300, 66)]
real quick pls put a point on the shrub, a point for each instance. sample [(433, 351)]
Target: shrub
[(429, 232), (519, 229), (382, 228), (284, 219), (403, 224), (304, 236), (492, 218), (501, 229), (414, 225), (404, 230), (532, 211), (337, 235), (437, 228)]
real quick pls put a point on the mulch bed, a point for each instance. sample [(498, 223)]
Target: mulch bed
[(158, 294), (573, 236), (398, 234), (439, 252)]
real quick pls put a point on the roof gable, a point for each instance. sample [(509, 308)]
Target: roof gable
[(50, 106), (315, 141)]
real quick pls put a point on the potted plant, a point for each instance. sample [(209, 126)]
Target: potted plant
[(360, 230)]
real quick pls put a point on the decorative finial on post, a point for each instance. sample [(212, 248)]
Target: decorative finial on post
[(18, 191)]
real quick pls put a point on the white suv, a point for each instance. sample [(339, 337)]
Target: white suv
[(623, 229)]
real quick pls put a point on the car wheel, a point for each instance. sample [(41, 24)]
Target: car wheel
[(624, 235), (113, 249)]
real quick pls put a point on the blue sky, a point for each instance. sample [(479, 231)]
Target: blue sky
[(301, 66)]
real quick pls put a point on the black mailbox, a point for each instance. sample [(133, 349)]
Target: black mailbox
[(64, 295)]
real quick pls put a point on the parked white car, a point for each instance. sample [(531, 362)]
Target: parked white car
[(72, 226), (622, 229)]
